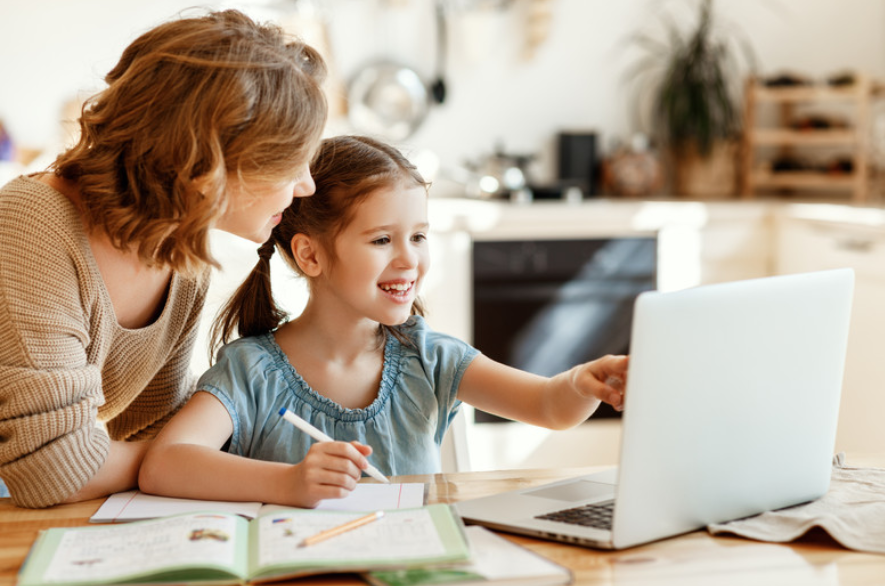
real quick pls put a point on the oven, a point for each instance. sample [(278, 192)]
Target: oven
[(545, 305)]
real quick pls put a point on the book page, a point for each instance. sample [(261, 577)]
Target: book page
[(406, 534), (403, 537), (495, 559), (96, 554)]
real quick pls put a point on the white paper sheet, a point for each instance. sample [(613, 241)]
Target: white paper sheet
[(135, 505)]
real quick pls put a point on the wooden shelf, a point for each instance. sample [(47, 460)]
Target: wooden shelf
[(789, 137), (804, 180), (816, 93), (850, 143)]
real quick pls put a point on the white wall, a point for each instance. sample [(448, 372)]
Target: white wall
[(54, 50)]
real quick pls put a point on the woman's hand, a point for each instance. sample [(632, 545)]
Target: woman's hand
[(330, 470)]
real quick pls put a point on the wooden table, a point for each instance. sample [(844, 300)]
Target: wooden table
[(695, 558)]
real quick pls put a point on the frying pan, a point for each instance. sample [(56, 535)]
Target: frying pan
[(387, 99), (391, 100)]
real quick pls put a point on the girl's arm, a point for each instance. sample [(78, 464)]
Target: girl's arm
[(559, 402), (185, 461)]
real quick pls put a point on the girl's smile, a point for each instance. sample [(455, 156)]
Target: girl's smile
[(399, 291)]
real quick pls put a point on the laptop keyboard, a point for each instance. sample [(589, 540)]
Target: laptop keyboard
[(597, 515)]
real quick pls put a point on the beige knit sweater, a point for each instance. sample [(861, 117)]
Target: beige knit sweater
[(65, 362)]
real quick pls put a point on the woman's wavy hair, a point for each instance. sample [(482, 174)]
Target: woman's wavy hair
[(347, 169), (192, 105)]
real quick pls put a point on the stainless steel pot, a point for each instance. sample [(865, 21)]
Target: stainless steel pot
[(498, 175)]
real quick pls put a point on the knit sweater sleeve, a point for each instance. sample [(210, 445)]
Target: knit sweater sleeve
[(49, 391), (64, 365)]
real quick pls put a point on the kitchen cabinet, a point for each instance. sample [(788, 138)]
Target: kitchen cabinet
[(736, 243), (813, 237), (792, 141)]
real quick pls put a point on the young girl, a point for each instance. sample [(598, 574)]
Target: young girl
[(359, 363), (206, 122)]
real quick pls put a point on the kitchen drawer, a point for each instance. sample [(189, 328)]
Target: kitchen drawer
[(736, 269), (812, 245), (729, 240)]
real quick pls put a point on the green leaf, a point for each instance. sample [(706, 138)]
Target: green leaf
[(694, 77)]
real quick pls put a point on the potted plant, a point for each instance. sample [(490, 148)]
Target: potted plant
[(695, 109)]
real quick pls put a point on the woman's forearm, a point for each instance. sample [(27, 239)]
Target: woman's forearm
[(118, 473)]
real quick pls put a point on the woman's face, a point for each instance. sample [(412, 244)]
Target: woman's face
[(255, 207)]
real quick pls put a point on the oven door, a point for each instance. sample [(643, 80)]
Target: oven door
[(546, 305)]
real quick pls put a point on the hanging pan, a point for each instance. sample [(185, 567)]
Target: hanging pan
[(387, 99), (391, 100)]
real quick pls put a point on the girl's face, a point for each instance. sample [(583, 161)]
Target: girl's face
[(255, 207), (382, 255)]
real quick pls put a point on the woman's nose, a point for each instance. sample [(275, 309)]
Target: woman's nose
[(304, 187)]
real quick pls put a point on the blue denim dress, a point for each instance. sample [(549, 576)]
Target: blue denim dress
[(405, 424)]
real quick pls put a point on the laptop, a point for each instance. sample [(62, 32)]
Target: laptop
[(731, 406)]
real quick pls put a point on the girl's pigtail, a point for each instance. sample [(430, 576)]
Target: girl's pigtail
[(251, 310)]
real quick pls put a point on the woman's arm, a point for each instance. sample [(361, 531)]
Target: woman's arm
[(185, 461), (118, 473), (559, 402)]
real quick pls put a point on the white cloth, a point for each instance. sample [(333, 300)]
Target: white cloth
[(852, 512)]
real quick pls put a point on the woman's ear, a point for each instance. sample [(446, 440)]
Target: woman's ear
[(307, 254)]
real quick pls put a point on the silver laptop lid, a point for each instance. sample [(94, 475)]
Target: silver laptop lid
[(732, 401)]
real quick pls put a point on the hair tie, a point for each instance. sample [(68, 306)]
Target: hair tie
[(265, 251)]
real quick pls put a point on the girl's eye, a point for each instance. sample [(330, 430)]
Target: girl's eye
[(419, 237), (382, 240)]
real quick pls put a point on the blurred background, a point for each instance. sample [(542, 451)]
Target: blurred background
[(515, 72), (561, 104)]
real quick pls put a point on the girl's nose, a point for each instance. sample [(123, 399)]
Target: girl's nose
[(406, 256)]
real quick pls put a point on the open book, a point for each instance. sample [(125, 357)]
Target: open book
[(224, 548)]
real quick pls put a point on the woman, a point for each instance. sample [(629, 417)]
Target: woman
[(207, 122)]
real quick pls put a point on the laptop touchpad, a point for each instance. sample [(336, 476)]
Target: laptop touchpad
[(579, 490)]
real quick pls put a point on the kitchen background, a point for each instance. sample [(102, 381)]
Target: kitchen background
[(517, 74)]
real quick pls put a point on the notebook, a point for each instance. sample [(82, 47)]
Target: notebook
[(731, 407)]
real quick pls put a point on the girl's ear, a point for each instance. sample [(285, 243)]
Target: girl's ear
[(307, 254)]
